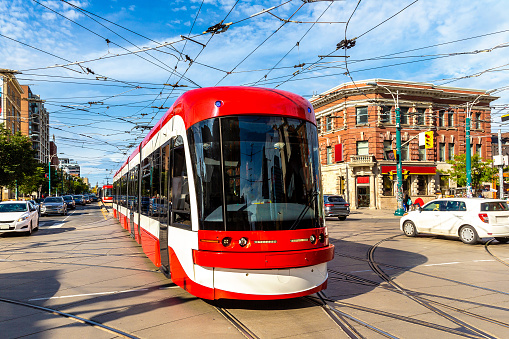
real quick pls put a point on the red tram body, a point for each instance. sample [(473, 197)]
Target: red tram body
[(224, 195), (106, 194)]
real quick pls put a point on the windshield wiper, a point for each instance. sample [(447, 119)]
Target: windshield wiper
[(304, 211)]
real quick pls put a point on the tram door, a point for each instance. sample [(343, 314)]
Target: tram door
[(133, 197), (164, 209)]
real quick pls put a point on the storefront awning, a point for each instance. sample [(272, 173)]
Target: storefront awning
[(386, 169)]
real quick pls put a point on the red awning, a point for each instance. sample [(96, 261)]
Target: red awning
[(386, 169)]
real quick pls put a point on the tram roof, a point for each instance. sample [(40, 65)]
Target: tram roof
[(211, 102)]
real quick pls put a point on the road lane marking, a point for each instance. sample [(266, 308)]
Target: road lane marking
[(90, 294), (61, 224), (105, 213)]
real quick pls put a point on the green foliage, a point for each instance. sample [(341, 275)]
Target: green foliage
[(481, 171), (33, 182), (16, 158)]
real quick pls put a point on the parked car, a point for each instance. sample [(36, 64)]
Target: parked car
[(470, 219), (18, 216), (69, 200), (79, 199), (53, 205), (336, 206), (94, 197)]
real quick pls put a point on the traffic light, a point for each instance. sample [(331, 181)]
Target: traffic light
[(428, 139), (406, 173)]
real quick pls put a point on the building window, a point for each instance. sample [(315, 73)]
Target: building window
[(419, 116), (477, 121), (450, 119), (329, 155), (450, 151), (441, 152), (362, 115), (328, 124), (422, 184), (405, 156), (403, 111), (444, 183), (318, 125), (362, 148), (387, 185), (388, 153), (385, 114), (478, 149), (422, 154), (441, 119)]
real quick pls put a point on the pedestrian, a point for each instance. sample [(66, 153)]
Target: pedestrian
[(407, 202)]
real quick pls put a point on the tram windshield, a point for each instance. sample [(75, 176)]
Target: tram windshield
[(262, 173)]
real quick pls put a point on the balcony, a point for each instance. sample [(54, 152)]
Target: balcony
[(360, 159)]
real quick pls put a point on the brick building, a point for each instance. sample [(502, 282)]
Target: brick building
[(357, 136)]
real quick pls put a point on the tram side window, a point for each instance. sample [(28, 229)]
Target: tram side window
[(132, 202), (165, 175), (146, 177), (206, 158), (155, 182), (123, 194), (181, 209)]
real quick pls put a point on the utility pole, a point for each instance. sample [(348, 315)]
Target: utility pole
[(500, 166), (468, 152)]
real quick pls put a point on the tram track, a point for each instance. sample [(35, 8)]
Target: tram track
[(239, 325), (72, 317), (426, 302), (486, 245)]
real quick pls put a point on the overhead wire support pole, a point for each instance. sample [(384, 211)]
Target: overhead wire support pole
[(399, 167), (468, 153)]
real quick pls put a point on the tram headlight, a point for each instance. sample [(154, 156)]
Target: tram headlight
[(243, 242), (312, 238), (226, 241)]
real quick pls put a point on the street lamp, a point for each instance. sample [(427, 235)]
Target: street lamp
[(399, 184), (468, 152)]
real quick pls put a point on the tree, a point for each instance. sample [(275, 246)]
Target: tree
[(34, 182), (16, 157), (481, 171)]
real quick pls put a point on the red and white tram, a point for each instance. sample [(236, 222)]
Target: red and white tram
[(106, 194), (224, 195)]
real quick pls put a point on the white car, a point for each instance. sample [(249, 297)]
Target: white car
[(18, 216), (470, 219)]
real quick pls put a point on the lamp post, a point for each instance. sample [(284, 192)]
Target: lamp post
[(468, 152), (399, 168)]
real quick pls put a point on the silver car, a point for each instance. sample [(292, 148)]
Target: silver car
[(336, 206), (53, 205)]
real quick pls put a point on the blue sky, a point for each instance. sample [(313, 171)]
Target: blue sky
[(100, 94)]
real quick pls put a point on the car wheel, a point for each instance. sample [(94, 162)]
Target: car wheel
[(29, 232), (468, 235), (501, 240), (342, 217), (37, 226), (409, 229)]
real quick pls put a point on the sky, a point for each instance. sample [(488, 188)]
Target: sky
[(109, 69)]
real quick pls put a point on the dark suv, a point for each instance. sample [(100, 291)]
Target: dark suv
[(336, 206), (69, 200)]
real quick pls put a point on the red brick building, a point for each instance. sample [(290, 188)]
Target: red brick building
[(357, 136)]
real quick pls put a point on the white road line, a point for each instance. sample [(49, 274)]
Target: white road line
[(61, 224), (90, 294)]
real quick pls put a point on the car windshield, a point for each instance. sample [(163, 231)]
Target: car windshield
[(336, 199), (53, 200), (6, 208), (67, 197), (78, 197), (494, 206), (256, 173)]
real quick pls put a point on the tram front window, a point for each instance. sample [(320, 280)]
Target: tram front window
[(268, 178)]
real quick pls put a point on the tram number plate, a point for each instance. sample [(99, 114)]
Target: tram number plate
[(4, 226)]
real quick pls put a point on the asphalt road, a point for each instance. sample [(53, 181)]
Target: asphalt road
[(82, 276)]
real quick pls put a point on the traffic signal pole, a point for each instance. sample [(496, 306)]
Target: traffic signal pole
[(399, 193), (468, 153)]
